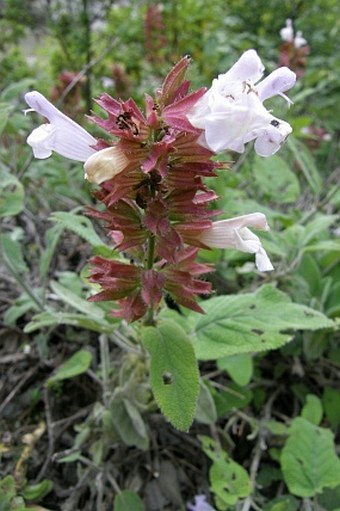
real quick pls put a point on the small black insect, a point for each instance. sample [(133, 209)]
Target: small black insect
[(275, 123)]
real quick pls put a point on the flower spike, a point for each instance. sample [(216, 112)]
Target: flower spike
[(150, 181)]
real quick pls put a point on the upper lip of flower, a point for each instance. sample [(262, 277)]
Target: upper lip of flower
[(62, 134)]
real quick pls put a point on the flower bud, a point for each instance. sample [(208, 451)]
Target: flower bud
[(105, 164)]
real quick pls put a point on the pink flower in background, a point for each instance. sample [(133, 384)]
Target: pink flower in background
[(231, 113)]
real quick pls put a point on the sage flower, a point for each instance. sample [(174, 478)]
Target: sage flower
[(235, 233), (151, 170), (231, 113), (287, 35), (287, 32), (61, 134)]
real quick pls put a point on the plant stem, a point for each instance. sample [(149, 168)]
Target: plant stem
[(105, 363), (151, 251), (149, 317)]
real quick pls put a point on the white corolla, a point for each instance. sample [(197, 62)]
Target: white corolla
[(235, 233), (67, 138), (232, 113)]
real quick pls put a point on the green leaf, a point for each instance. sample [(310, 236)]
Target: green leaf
[(21, 305), (331, 403), (324, 246), (330, 499), (7, 490), (12, 254), (173, 372), (37, 491), (306, 163), (70, 458), (275, 427), (128, 501), (229, 480), (51, 318), (128, 422), (234, 397), (52, 237), (13, 90), (317, 227), (282, 503), (274, 177), (239, 367), (4, 116), (79, 224), (308, 460), (251, 322), (206, 409), (78, 303), (312, 411), (77, 364)]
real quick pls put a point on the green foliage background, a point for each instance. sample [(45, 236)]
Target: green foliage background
[(267, 420)]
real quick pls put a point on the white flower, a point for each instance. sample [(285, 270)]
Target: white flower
[(299, 40), (231, 112), (234, 233), (62, 134), (66, 137), (200, 504), (287, 32), (287, 35)]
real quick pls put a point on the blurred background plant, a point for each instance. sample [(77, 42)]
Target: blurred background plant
[(266, 426)]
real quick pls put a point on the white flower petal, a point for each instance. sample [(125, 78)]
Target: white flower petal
[(248, 67), (69, 139), (287, 32), (299, 40), (269, 139), (262, 261), (41, 140), (234, 233), (277, 82), (105, 164), (265, 146), (224, 130)]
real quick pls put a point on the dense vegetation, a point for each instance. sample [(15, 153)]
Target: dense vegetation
[(80, 428)]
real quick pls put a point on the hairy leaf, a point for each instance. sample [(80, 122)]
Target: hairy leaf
[(77, 364), (312, 411), (251, 322), (79, 224), (229, 480), (128, 501), (309, 463), (282, 185), (173, 372)]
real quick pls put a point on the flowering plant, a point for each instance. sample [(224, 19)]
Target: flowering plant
[(150, 174), (294, 50)]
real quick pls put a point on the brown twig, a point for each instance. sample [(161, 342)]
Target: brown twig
[(16, 389)]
